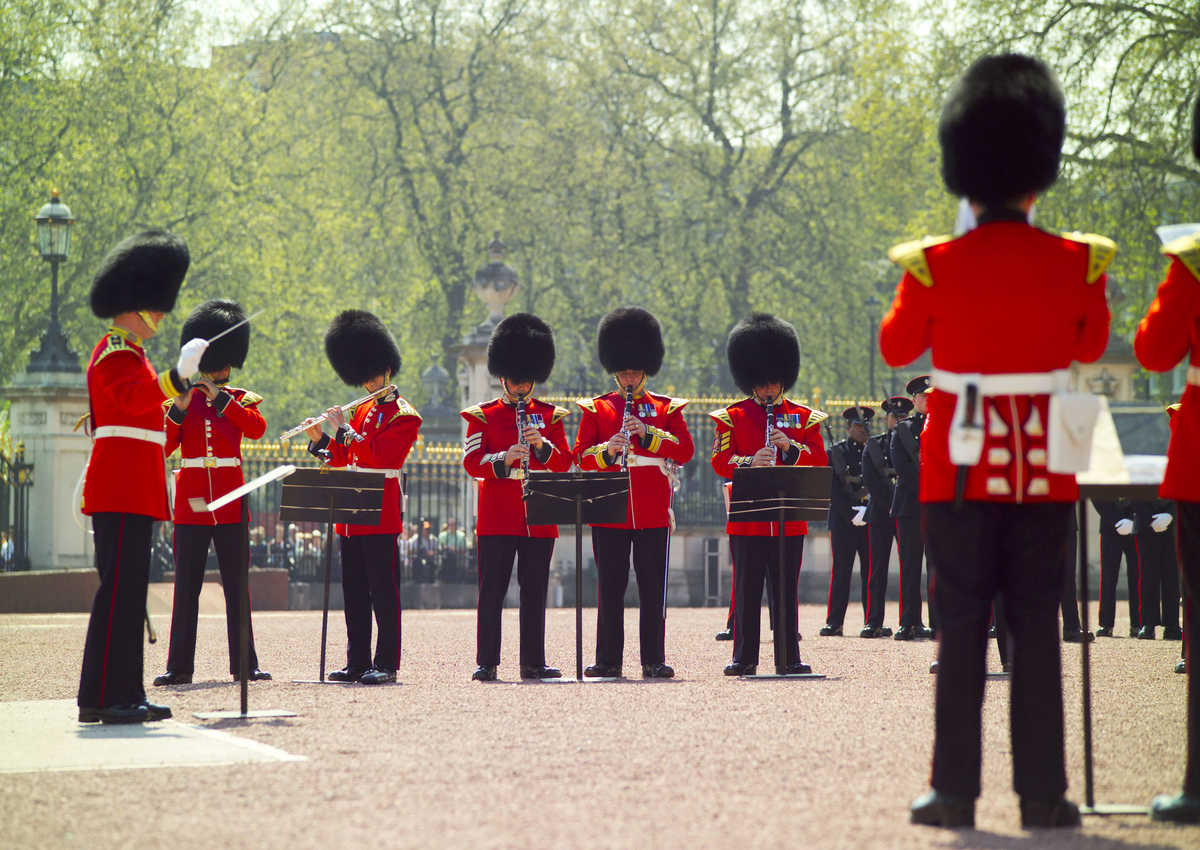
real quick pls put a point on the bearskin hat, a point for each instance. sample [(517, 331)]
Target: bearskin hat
[(521, 349), (1001, 129), (360, 347), (212, 318), (763, 349), (630, 338), (144, 272)]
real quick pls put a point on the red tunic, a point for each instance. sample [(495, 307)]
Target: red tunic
[(742, 430), (1003, 298), (667, 438), (126, 474), (388, 431), (205, 433), (1165, 336), (491, 432)]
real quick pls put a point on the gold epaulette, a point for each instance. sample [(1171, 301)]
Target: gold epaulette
[(114, 343), (477, 412), (1172, 409), (560, 413), (910, 256), (722, 416), (404, 409), (1101, 250), (676, 404), (588, 404), (815, 417), (249, 399), (1186, 249)]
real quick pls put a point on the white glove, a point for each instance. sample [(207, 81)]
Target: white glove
[(858, 515), (1124, 527), (189, 357), (1161, 521)]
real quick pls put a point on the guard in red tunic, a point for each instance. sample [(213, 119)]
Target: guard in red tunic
[(207, 425), (376, 438), (498, 452), (644, 432), (764, 359), (1005, 309), (124, 491), (1167, 335)]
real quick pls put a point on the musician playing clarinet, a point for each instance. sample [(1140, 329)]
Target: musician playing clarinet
[(506, 438), (645, 433), (376, 438)]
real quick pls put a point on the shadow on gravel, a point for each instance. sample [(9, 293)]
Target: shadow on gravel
[(243, 723), (979, 840)]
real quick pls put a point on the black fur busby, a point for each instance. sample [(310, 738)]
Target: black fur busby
[(1001, 129), (763, 349), (144, 272), (360, 347), (212, 318), (521, 349), (630, 338)]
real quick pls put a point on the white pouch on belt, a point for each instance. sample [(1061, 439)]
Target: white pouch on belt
[(1069, 433), (966, 428)]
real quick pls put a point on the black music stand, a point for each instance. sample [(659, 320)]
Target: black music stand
[(562, 498), (1101, 493), (778, 494), (331, 495), (199, 506)]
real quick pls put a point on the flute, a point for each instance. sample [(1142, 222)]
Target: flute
[(522, 423), (624, 430), (390, 388), (770, 428)]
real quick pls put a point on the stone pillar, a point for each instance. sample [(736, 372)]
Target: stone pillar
[(44, 409)]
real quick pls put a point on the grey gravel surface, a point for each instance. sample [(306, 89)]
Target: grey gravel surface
[(699, 761)]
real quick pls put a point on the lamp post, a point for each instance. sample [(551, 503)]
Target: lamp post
[(54, 222), (872, 304)]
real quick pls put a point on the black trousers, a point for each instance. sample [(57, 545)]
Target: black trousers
[(1158, 579), (880, 536), (757, 560), (911, 549), (981, 550), (191, 553), (112, 652), (371, 582), (1188, 520), (1069, 603), (1112, 548), (847, 542), (612, 548), (496, 554)]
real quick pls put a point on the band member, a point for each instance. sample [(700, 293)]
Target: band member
[(376, 438), (847, 518), (1005, 309), (207, 424), (499, 452), (644, 432), (764, 360), (124, 491), (906, 511), (879, 477), (1164, 337)]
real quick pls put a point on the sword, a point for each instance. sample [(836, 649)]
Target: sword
[(238, 325)]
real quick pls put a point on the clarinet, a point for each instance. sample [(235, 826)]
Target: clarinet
[(770, 427), (624, 430), (522, 422)]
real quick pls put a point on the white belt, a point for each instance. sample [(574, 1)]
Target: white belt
[(156, 437), (387, 473), (645, 460), (209, 462), (1193, 375), (1012, 383)]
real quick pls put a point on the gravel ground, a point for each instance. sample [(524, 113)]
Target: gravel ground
[(699, 761)]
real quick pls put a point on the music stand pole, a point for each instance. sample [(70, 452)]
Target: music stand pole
[(781, 631), (579, 586), (328, 573), (244, 618), (1089, 790)]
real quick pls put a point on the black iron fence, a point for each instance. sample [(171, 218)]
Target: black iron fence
[(16, 479)]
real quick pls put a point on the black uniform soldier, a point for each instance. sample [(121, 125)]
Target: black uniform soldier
[(1117, 524), (847, 518), (906, 511), (879, 477), (1072, 629), (1158, 569)]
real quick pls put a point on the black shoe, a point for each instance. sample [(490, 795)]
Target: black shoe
[(1181, 666), (378, 677), (924, 633), (1172, 633), (259, 676), (739, 669), (905, 633), (157, 712), (797, 667), (484, 674), (933, 668), (349, 674), (1182, 808), (991, 632), (1078, 636), (934, 809), (542, 672), (657, 671), (172, 678), (828, 630), (603, 671), (1006, 668), (1104, 631), (125, 713), (870, 632), (1048, 813), (1135, 631), (1146, 633), (725, 634)]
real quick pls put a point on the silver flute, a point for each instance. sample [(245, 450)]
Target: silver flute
[(770, 428), (522, 423), (625, 431)]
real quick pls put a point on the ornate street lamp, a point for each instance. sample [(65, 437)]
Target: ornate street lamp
[(54, 222), (872, 304)]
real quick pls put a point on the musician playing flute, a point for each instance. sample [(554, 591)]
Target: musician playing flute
[(506, 438), (645, 433), (377, 437), (764, 360)]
